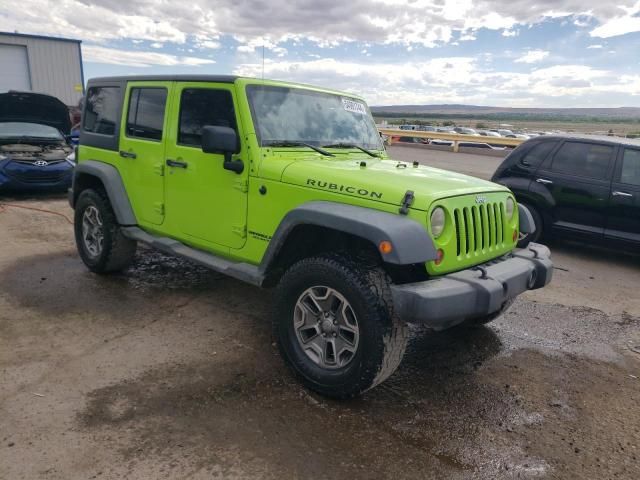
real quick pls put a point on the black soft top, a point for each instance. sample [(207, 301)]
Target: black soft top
[(165, 78)]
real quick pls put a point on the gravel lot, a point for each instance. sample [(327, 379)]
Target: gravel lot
[(169, 371)]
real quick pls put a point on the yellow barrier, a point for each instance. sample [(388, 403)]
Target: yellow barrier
[(453, 137)]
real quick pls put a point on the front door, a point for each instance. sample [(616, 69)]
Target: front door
[(142, 148), (623, 222), (206, 202), (578, 179)]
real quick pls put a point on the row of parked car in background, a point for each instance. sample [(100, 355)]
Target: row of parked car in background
[(497, 132)]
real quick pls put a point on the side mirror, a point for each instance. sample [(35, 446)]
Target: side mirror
[(222, 140)]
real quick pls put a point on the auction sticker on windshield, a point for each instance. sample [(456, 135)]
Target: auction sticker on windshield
[(354, 107)]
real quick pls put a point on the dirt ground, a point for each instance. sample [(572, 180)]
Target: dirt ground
[(168, 371)]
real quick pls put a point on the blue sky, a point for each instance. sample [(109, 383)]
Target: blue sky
[(526, 53)]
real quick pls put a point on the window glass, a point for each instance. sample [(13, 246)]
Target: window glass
[(145, 118), (283, 114), (630, 173), (101, 113), (538, 153), (200, 107), (583, 159)]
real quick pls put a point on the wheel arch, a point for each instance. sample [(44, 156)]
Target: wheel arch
[(320, 226), (95, 174)]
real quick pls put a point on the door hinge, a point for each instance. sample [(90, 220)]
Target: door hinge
[(158, 168), (159, 208), (242, 185), (240, 230)]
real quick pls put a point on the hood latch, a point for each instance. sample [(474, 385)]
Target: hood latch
[(407, 201)]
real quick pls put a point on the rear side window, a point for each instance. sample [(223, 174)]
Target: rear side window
[(145, 118), (630, 173), (583, 159), (537, 154), (200, 107), (101, 112)]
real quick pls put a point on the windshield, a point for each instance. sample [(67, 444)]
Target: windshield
[(283, 114), (23, 129)]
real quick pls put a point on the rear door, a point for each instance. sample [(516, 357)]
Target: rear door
[(142, 148), (623, 221), (576, 179)]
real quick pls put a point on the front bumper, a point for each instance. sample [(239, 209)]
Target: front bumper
[(474, 293)]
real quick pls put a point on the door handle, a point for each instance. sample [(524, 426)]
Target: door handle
[(544, 181), (622, 194), (176, 163), (124, 154)]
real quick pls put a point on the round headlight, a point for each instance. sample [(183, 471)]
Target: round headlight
[(511, 208), (437, 221)]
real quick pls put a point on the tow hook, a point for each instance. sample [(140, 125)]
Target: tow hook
[(483, 272)]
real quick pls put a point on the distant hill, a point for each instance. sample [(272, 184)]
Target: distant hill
[(484, 112)]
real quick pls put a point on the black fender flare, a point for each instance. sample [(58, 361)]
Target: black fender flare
[(113, 185), (527, 225), (410, 240)]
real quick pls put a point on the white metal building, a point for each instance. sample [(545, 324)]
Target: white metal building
[(42, 64)]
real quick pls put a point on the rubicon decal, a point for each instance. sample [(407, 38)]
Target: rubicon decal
[(344, 188)]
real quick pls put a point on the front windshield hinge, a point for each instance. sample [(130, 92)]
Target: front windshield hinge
[(407, 201)]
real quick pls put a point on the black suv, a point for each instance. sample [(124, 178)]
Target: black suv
[(580, 186)]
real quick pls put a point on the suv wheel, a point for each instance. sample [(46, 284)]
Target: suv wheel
[(526, 238), (99, 239), (335, 326)]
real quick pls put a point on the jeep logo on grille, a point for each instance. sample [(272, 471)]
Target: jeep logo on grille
[(481, 199)]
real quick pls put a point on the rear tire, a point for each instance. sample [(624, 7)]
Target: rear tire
[(527, 238), (313, 298), (99, 239)]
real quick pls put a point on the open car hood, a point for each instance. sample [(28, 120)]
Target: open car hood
[(34, 108)]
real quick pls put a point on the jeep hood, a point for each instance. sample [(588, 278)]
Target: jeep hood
[(34, 108), (384, 180)]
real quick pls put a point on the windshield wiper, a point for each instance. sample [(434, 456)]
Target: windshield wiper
[(351, 145), (291, 143)]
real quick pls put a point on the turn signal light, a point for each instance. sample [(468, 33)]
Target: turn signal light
[(385, 247), (439, 256)]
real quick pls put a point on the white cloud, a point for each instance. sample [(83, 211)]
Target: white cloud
[(591, 47), (157, 45), (112, 56), (325, 22), (259, 43), (628, 22), (510, 33), (532, 56), (454, 80)]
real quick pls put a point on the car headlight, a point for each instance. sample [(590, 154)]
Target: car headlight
[(437, 221), (71, 158), (510, 208)]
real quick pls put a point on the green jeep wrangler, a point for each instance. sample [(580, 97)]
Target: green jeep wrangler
[(289, 186)]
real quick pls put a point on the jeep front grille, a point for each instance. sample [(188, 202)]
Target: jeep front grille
[(479, 228)]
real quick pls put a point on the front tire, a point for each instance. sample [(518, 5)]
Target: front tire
[(99, 239), (335, 325)]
